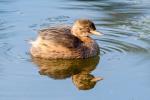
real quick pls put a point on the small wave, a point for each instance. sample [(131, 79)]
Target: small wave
[(51, 21), (132, 36), (6, 29), (4, 48), (10, 53), (114, 45)]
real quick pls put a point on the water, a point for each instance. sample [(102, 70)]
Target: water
[(125, 51)]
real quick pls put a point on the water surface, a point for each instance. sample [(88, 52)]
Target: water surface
[(125, 51)]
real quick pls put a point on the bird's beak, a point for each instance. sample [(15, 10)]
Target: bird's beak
[(95, 32), (97, 79)]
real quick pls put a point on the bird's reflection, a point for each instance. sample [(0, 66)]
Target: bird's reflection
[(78, 69)]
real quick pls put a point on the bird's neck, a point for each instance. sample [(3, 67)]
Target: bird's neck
[(86, 39)]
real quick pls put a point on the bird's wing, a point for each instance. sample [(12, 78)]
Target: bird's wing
[(60, 36)]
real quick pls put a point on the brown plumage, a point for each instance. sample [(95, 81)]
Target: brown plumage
[(66, 42)]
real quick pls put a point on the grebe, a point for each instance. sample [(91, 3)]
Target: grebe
[(66, 42)]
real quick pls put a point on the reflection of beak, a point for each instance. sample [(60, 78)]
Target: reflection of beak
[(97, 79), (96, 33)]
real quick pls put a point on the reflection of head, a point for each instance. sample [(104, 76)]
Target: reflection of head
[(61, 69), (85, 81)]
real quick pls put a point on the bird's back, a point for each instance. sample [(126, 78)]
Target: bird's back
[(60, 36)]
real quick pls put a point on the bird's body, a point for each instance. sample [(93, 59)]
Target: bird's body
[(62, 42)]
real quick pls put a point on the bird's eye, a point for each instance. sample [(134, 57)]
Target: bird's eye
[(80, 28)]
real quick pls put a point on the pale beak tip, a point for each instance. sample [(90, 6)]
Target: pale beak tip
[(96, 33), (97, 79)]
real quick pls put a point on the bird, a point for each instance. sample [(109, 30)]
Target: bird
[(66, 42)]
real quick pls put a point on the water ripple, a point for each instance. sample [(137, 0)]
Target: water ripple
[(6, 29), (112, 45), (4, 49), (50, 21)]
